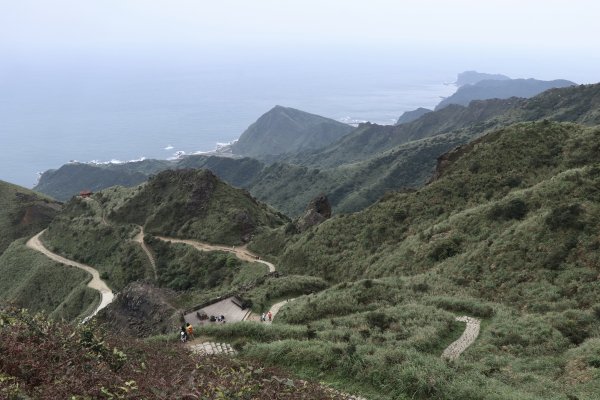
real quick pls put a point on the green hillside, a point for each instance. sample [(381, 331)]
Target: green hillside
[(192, 204), (506, 233), (478, 182), (31, 280), (23, 213), (196, 204), (70, 179), (287, 130)]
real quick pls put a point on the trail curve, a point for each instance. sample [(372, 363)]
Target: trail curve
[(468, 337), (240, 252), (139, 238), (106, 295)]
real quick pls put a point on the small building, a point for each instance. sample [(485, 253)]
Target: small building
[(85, 193)]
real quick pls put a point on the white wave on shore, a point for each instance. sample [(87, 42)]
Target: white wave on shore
[(113, 161)]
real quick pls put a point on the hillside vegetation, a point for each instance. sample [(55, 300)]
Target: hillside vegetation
[(535, 168), (31, 280), (507, 232), (70, 179), (195, 204), (23, 213), (191, 204), (59, 361)]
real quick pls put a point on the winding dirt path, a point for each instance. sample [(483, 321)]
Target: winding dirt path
[(139, 238), (240, 252), (465, 340), (106, 295)]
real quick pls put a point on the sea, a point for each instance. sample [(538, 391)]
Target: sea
[(105, 109)]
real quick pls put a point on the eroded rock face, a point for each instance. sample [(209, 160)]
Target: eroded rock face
[(317, 211), (141, 310)]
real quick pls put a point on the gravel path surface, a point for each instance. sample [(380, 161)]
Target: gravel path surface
[(465, 340), (240, 252), (96, 283), (139, 238)]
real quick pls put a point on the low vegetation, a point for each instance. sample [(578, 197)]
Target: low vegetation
[(23, 213), (43, 359), (31, 280), (182, 267), (507, 232), (197, 205)]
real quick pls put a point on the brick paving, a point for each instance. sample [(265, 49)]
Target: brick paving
[(212, 348)]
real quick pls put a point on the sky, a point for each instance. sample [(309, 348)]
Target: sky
[(505, 32)]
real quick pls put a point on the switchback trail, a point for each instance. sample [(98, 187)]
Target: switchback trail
[(465, 340), (240, 252), (106, 295)]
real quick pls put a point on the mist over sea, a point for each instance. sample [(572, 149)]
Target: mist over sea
[(100, 109)]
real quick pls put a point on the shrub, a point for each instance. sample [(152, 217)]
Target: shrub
[(379, 320), (564, 217), (445, 248), (514, 209), (471, 306)]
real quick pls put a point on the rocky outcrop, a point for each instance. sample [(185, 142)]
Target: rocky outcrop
[(141, 310), (318, 210)]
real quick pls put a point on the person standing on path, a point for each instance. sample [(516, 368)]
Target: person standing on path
[(190, 331), (270, 315), (183, 334)]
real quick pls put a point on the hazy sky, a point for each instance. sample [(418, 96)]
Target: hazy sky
[(96, 24)]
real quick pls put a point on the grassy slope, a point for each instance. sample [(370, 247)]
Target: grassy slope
[(22, 213), (182, 267), (195, 204), (82, 234), (98, 231), (507, 233), (30, 280), (497, 166)]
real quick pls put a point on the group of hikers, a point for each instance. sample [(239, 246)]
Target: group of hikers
[(187, 332), (264, 316)]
